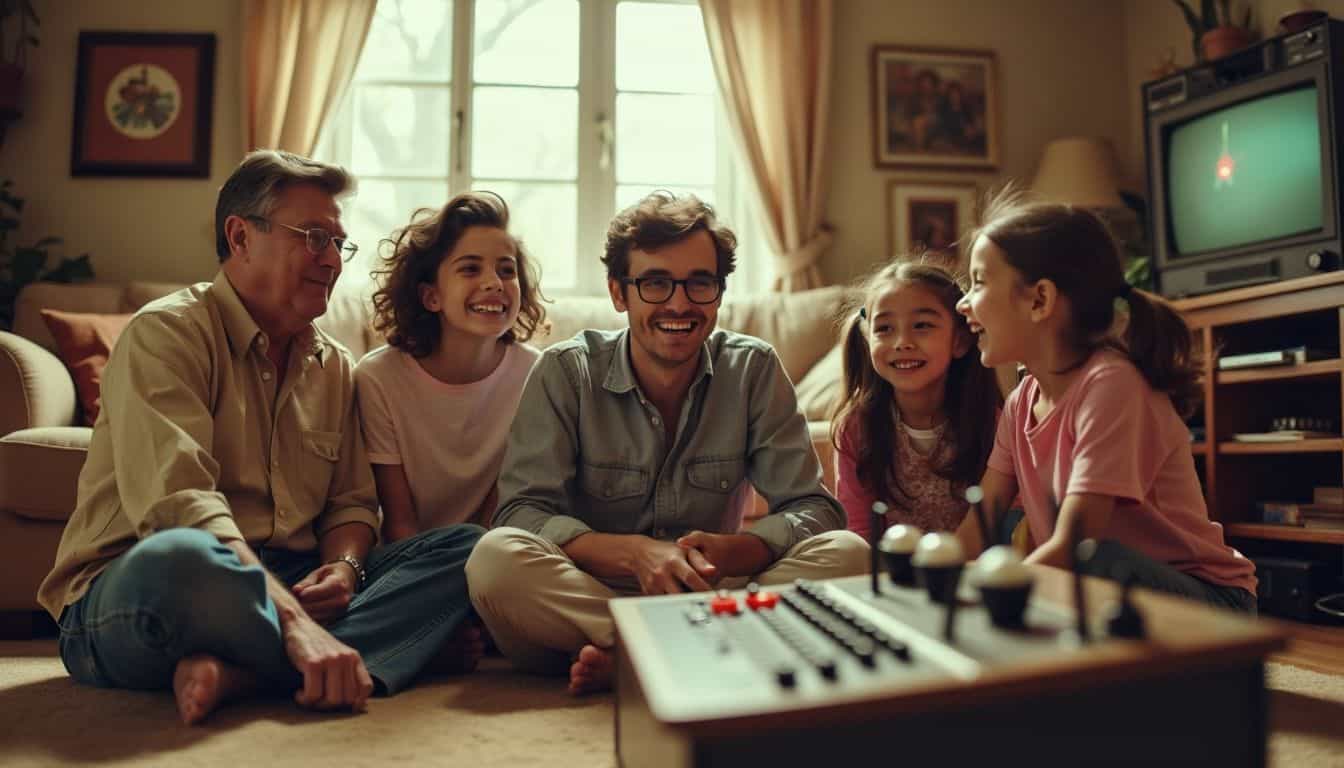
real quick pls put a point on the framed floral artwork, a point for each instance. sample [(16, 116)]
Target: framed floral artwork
[(929, 217), (935, 107), (143, 104)]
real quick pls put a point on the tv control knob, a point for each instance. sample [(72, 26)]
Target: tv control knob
[(1323, 261)]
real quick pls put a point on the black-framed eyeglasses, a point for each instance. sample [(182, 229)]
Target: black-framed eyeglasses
[(317, 239), (700, 289)]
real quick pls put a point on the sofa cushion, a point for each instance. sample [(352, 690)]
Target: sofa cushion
[(106, 298), (38, 471), (819, 389), (800, 326), (83, 341)]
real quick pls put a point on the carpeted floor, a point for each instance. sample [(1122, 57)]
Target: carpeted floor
[(493, 717)]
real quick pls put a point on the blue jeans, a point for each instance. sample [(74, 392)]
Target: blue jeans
[(181, 592), (1118, 562)]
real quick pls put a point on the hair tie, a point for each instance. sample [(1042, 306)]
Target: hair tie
[(863, 313)]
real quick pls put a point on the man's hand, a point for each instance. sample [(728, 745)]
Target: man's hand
[(664, 568), (732, 554), (326, 593), (334, 676)]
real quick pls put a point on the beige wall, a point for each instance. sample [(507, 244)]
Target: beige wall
[(1062, 72), (153, 229), (1066, 67)]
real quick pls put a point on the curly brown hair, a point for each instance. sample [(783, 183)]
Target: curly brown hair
[(417, 250), (663, 218)]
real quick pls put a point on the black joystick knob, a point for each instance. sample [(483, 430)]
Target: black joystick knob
[(1126, 621)]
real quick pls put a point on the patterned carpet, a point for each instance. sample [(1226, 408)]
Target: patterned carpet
[(493, 717)]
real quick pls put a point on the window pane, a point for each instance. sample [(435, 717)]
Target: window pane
[(528, 42), (378, 208), (663, 139), (662, 47), (629, 194), (409, 40), (544, 216), (529, 133), (400, 130)]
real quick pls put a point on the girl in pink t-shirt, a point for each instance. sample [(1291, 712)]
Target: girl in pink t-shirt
[(457, 298), (1093, 437), (915, 423)]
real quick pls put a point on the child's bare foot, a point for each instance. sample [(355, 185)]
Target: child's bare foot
[(201, 683), (462, 651), (592, 670)]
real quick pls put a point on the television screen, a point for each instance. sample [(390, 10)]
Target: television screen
[(1246, 173)]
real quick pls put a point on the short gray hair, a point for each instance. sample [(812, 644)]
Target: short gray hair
[(255, 186)]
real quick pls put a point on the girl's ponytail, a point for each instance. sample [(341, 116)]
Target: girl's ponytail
[(1158, 342)]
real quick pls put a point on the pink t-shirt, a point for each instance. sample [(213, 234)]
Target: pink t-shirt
[(1112, 434), (448, 438)]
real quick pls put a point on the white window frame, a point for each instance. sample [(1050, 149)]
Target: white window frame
[(597, 92)]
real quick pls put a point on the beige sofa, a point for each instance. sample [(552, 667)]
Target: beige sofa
[(42, 446)]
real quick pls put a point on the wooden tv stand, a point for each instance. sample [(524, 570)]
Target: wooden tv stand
[(1305, 311)]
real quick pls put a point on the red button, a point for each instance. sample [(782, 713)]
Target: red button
[(723, 604), (759, 600)]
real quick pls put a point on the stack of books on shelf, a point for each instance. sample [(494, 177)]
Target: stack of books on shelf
[(1289, 356), (1326, 510)]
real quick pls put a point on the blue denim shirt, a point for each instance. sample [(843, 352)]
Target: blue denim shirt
[(587, 449)]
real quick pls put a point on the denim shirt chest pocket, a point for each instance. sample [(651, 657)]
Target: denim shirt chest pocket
[(615, 494), (711, 480)]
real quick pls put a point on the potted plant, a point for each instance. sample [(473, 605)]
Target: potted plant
[(1214, 31), (23, 264), (18, 30)]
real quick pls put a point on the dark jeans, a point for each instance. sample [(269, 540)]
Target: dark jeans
[(1118, 562), (181, 592)]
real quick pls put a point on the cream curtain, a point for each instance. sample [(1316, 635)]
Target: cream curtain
[(773, 63), (298, 58)]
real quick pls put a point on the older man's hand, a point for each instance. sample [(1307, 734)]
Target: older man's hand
[(334, 675), (326, 592)]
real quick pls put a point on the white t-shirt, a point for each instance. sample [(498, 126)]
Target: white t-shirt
[(449, 438)]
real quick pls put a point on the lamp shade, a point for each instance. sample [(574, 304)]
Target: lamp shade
[(1079, 171)]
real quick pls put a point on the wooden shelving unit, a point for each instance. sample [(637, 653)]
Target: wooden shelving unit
[(1307, 311)]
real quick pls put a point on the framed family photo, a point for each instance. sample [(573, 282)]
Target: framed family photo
[(143, 104), (935, 108), (928, 217)]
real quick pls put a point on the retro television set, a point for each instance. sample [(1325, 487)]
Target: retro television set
[(1244, 167)]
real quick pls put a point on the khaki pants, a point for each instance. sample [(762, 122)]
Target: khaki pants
[(541, 608)]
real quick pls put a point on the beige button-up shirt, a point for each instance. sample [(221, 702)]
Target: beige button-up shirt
[(195, 431)]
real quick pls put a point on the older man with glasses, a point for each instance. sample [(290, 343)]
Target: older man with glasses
[(634, 453), (223, 540)]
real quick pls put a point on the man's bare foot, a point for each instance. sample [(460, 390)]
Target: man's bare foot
[(462, 651), (592, 670), (202, 682)]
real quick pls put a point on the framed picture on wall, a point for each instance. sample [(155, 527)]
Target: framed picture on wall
[(143, 104), (928, 217), (935, 107)]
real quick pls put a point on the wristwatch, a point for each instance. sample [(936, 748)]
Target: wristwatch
[(353, 562)]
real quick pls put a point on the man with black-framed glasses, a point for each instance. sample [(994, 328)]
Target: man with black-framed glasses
[(634, 455)]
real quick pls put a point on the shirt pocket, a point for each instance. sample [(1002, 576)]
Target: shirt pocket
[(718, 477), (614, 495), (317, 461)]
